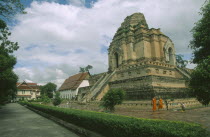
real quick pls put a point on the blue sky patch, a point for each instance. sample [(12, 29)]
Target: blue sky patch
[(30, 47), (79, 51), (61, 53), (88, 3), (104, 49), (30, 64)]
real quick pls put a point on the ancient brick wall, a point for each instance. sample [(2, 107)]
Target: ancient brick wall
[(142, 88)]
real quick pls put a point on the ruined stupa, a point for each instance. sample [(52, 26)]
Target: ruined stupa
[(142, 62)]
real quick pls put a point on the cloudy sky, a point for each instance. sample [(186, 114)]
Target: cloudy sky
[(56, 37)]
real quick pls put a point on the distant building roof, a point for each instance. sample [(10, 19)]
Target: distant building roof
[(74, 81), (27, 86)]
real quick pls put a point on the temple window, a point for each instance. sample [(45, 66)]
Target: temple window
[(116, 60), (171, 56)]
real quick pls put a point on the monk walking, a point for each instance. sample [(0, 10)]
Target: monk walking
[(154, 107), (160, 104)]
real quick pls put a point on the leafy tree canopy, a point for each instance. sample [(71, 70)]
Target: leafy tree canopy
[(85, 69), (113, 97), (199, 82), (201, 35), (81, 69), (2, 24), (8, 8), (48, 89), (200, 44), (7, 62), (180, 62), (6, 46), (8, 79)]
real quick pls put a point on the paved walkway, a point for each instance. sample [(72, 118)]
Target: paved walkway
[(18, 121)]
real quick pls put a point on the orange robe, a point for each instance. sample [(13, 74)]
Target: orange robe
[(154, 104), (160, 106)]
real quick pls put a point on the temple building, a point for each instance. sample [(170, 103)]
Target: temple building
[(27, 91), (142, 61), (69, 89)]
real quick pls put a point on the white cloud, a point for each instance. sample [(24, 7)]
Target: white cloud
[(191, 65), (53, 35)]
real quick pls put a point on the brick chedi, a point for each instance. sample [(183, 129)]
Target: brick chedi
[(142, 62), (134, 42)]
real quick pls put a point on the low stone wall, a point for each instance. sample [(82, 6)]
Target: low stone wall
[(138, 105), (171, 104)]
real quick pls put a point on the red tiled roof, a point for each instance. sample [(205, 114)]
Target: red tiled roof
[(74, 81), (27, 86), (31, 84)]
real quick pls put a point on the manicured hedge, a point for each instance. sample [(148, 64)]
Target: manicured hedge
[(111, 125)]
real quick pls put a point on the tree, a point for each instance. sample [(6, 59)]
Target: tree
[(8, 78), (199, 82), (86, 69), (48, 89), (180, 62), (200, 44), (113, 97), (57, 99), (8, 8), (81, 69), (201, 35)]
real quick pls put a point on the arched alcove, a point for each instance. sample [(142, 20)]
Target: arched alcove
[(171, 56), (169, 52), (116, 60)]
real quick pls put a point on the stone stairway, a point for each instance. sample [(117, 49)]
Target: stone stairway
[(183, 72), (98, 87)]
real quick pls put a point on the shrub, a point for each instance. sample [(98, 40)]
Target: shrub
[(46, 99), (57, 99), (111, 98), (111, 125)]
